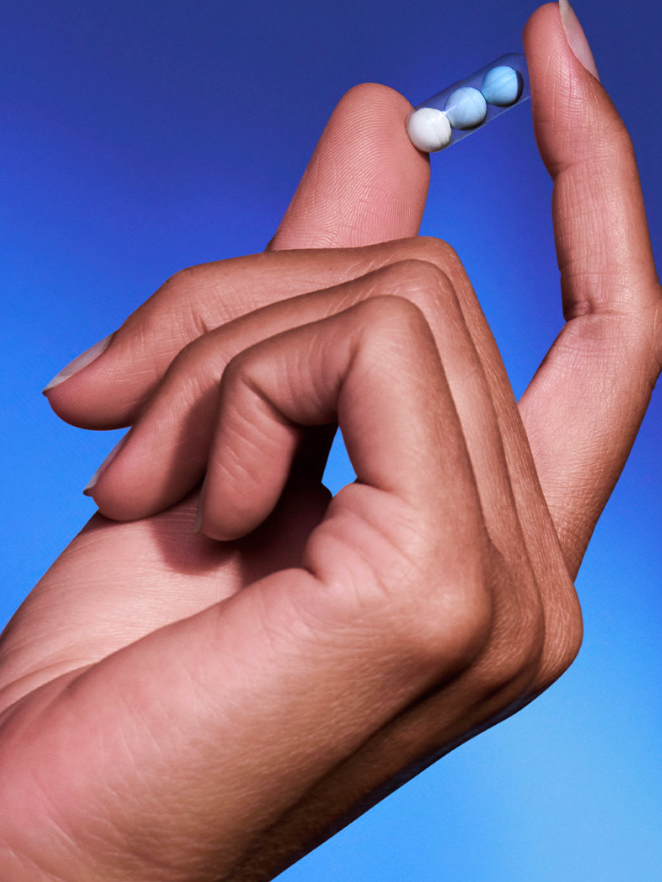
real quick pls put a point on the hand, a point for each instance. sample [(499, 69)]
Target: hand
[(416, 606), (511, 673)]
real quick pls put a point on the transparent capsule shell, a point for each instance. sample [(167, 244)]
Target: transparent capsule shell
[(469, 104)]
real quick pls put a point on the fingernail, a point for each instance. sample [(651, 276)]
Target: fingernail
[(107, 461), (79, 363), (577, 38)]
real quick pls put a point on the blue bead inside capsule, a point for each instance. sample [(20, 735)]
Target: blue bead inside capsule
[(471, 103), (502, 85), (466, 108)]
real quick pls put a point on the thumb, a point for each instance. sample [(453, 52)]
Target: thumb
[(365, 182), (598, 211), (585, 404)]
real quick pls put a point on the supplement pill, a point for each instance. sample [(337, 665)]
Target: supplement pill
[(466, 108), (470, 104), (502, 86), (429, 129)]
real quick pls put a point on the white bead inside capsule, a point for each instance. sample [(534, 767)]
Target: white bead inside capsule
[(429, 129), (468, 105)]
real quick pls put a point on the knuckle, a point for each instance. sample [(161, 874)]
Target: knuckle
[(516, 661), (195, 297), (237, 370), (414, 275), (428, 284), (188, 380), (514, 655), (247, 370), (451, 624), (390, 328), (436, 251), (614, 138), (188, 357), (426, 604), (441, 628), (561, 655), (444, 609), (184, 279), (564, 634), (389, 313), (407, 290)]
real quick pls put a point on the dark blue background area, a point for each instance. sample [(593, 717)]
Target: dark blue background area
[(141, 137)]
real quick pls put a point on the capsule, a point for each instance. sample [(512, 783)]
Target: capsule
[(470, 104)]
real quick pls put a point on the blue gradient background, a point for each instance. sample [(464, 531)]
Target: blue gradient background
[(141, 137)]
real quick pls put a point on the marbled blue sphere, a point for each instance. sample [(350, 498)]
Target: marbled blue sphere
[(502, 86), (466, 108)]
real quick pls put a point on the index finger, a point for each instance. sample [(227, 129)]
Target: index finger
[(365, 183), (586, 402)]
